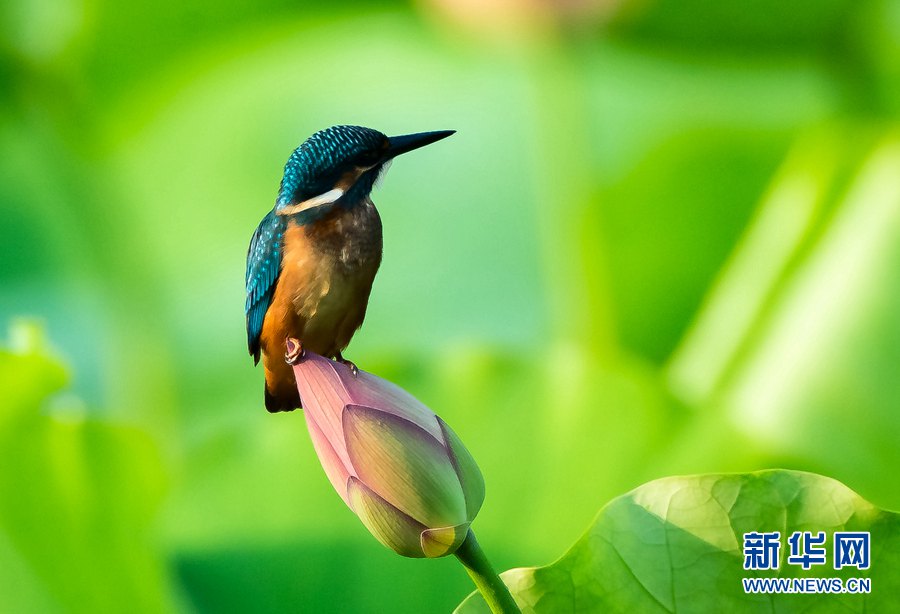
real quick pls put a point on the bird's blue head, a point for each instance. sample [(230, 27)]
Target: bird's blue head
[(343, 163)]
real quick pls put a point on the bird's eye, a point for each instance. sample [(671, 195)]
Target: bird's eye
[(369, 158)]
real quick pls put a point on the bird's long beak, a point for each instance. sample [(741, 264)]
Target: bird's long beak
[(407, 142)]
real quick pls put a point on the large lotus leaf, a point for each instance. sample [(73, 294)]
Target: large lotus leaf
[(675, 545)]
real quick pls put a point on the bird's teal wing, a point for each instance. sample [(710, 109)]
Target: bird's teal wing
[(263, 267)]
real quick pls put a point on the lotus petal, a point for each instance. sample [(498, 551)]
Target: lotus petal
[(389, 525), (444, 540), (469, 474), (405, 465)]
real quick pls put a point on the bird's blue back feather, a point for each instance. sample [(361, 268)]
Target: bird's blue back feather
[(263, 267)]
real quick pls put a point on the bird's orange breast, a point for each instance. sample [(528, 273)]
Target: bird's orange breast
[(326, 276)]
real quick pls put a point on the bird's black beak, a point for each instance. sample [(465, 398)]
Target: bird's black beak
[(401, 144)]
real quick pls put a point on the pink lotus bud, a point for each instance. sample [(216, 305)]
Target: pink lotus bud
[(394, 462)]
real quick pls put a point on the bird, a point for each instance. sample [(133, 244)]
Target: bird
[(312, 259)]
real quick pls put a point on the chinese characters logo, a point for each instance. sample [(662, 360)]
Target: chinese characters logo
[(805, 548)]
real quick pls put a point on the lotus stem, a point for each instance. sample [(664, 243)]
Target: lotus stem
[(486, 579)]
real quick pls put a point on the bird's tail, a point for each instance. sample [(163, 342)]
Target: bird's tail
[(282, 403), (281, 387)]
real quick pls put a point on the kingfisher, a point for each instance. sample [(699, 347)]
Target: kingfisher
[(313, 257)]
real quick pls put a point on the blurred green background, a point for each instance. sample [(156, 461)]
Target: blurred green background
[(666, 239)]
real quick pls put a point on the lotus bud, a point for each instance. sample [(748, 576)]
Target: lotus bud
[(398, 466)]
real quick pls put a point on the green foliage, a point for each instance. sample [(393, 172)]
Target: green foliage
[(79, 497), (675, 545), (663, 241)]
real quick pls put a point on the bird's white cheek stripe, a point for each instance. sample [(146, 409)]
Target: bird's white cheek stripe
[(316, 201)]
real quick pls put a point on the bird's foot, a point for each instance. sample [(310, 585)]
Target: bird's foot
[(295, 351), (354, 370)]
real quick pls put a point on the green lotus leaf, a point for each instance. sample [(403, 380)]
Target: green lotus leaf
[(676, 545)]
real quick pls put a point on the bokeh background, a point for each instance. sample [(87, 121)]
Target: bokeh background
[(665, 240)]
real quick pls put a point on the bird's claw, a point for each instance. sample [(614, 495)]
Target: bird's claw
[(354, 370), (295, 351)]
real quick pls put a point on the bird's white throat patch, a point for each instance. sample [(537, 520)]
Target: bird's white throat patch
[(311, 203)]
